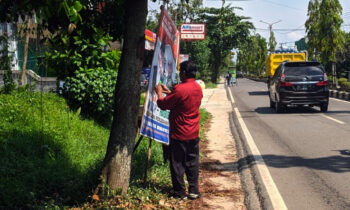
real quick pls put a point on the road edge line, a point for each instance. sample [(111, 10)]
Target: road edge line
[(271, 188)]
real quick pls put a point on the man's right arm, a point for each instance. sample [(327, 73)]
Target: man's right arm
[(169, 102)]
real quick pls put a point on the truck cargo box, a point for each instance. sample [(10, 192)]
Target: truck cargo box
[(275, 59)]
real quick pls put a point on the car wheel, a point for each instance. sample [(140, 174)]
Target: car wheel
[(272, 104), (278, 107), (324, 107)]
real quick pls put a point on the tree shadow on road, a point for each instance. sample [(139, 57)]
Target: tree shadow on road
[(290, 110), (336, 163), (258, 93)]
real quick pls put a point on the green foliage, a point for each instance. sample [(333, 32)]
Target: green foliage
[(344, 84), (55, 15), (210, 85), (93, 91), (272, 42), (343, 57), (89, 71), (142, 98), (205, 118), (199, 53), (252, 55), (330, 34), (49, 155), (323, 28), (312, 30), (225, 31), (5, 64)]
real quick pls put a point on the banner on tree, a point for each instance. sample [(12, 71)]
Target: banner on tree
[(155, 123)]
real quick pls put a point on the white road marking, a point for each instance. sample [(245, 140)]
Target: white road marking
[(333, 119), (231, 97), (335, 99), (275, 196)]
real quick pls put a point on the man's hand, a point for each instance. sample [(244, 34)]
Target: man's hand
[(159, 90), (165, 89)]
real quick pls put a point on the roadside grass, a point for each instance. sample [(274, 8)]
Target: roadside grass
[(49, 155), (205, 117), (210, 85), (51, 158)]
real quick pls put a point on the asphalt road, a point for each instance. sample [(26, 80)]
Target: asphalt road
[(307, 152)]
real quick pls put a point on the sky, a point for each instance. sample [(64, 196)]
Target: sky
[(292, 15)]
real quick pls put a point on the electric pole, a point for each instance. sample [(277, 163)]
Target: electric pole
[(270, 24)]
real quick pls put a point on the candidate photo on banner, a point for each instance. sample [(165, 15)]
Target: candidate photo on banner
[(155, 123)]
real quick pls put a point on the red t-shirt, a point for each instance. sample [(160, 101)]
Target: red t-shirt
[(183, 102)]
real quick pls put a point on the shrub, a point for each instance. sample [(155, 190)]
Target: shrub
[(89, 71), (344, 84), (342, 81)]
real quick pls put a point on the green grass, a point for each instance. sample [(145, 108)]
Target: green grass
[(205, 117), (48, 153), (209, 85), (51, 157)]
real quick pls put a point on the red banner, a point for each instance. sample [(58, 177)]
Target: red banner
[(168, 34), (150, 36)]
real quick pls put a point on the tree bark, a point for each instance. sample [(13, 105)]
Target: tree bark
[(334, 74), (25, 54), (117, 161), (215, 72)]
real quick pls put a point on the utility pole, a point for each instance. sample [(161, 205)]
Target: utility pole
[(270, 24)]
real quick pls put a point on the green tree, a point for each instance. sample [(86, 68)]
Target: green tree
[(252, 55), (272, 42), (261, 53), (225, 31), (312, 27), (323, 27), (330, 34), (343, 57)]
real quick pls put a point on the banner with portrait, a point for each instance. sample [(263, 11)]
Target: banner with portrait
[(155, 123)]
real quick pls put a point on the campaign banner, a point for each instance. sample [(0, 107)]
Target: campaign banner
[(150, 39), (155, 122)]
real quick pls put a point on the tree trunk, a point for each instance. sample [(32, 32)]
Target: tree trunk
[(334, 73), (117, 162), (215, 71), (25, 54)]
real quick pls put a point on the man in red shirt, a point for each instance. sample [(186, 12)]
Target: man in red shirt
[(183, 102)]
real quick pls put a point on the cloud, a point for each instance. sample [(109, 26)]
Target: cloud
[(295, 36)]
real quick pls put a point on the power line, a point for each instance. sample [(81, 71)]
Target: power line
[(281, 29), (283, 5)]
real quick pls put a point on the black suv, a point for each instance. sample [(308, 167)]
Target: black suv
[(299, 83)]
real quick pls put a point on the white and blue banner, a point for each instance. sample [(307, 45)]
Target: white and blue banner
[(155, 123)]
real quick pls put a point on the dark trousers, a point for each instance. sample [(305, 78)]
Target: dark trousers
[(184, 158)]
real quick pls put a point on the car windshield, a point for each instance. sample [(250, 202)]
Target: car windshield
[(303, 70)]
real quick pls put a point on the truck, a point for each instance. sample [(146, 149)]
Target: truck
[(275, 59)]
